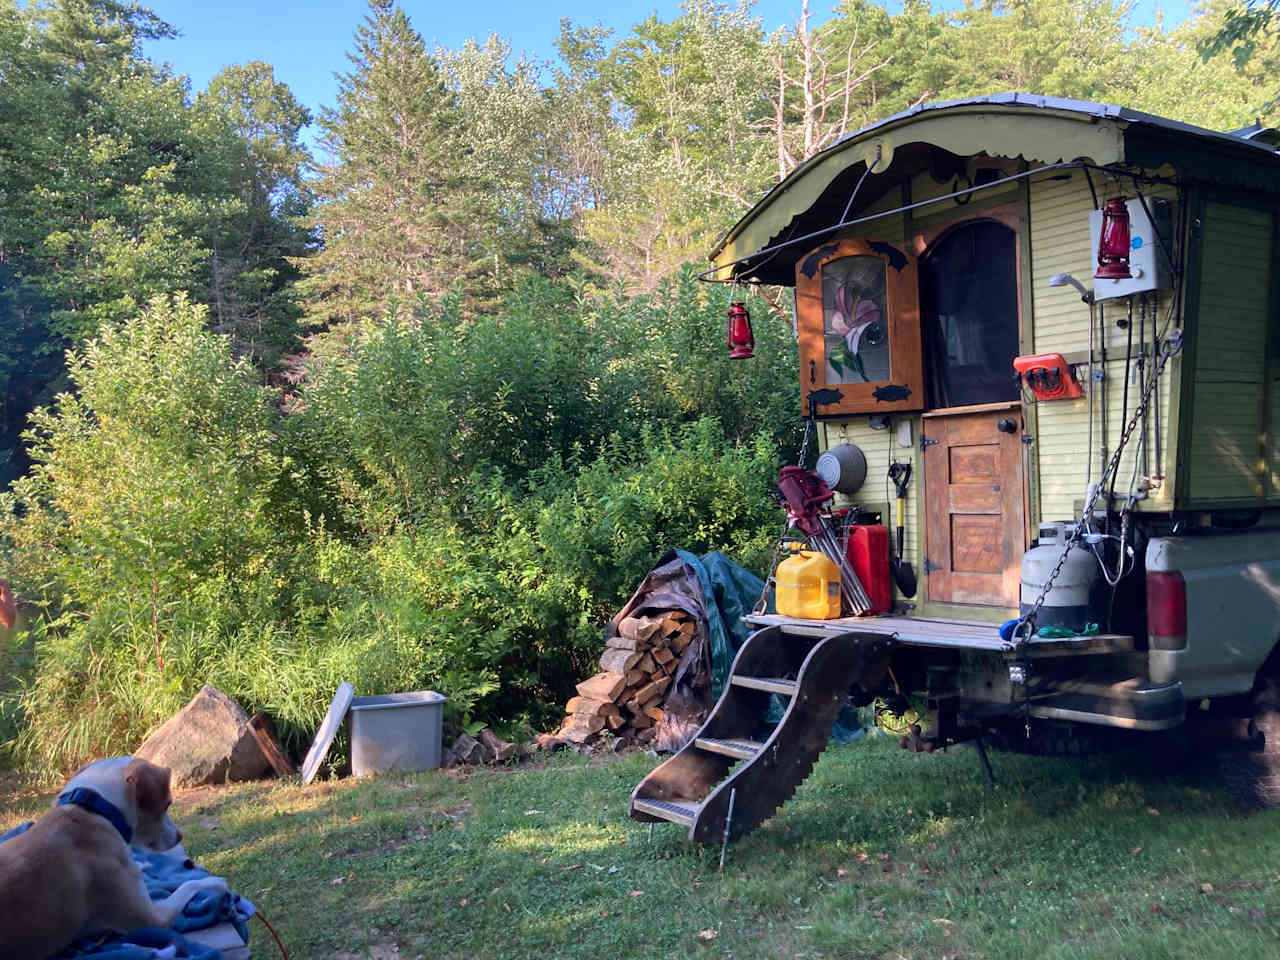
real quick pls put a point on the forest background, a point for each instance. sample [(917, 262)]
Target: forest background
[(421, 408)]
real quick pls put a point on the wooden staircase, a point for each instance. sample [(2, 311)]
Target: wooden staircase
[(734, 755)]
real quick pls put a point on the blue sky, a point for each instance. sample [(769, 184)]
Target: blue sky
[(307, 40)]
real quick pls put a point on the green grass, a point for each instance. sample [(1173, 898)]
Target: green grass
[(879, 854)]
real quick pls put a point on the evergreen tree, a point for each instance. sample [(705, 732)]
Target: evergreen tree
[(398, 204)]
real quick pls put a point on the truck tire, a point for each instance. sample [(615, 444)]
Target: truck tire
[(1253, 772)]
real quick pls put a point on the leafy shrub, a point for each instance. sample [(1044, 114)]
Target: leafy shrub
[(446, 504)]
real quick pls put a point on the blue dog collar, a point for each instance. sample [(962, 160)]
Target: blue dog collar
[(93, 801)]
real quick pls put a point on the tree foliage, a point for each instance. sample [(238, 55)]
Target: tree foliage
[(513, 395)]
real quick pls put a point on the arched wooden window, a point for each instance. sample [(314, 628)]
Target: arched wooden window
[(969, 314)]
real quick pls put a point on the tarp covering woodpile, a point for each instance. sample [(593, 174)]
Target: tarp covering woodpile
[(667, 653)]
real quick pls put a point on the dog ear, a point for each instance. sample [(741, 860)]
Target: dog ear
[(150, 784)]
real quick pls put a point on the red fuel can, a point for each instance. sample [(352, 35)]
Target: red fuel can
[(868, 554)]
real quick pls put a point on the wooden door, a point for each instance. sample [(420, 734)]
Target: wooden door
[(974, 505)]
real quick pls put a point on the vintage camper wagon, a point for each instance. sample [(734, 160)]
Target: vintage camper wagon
[(1091, 441)]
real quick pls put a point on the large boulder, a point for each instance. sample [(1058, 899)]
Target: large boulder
[(207, 741)]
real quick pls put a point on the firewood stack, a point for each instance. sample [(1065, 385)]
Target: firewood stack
[(626, 696)]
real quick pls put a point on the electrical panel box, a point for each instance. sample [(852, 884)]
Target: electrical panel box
[(1147, 262)]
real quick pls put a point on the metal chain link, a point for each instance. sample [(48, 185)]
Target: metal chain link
[(1026, 624)]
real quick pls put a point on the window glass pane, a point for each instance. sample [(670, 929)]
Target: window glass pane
[(855, 320), (969, 301)]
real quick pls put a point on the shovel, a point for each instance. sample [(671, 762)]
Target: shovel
[(903, 575)]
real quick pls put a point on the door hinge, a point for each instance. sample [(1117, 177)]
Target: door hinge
[(930, 567), (926, 443)]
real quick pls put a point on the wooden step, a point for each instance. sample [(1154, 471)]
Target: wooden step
[(768, 684), (740, 748), (683, 813)]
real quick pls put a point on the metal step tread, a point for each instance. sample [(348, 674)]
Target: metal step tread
[(684, 812), (739, 747), (769, 684)]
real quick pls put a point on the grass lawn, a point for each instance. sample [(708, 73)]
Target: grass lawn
[(879, 854)]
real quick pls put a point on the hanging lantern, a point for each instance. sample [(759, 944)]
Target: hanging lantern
[(1113, 243), (737, 335)]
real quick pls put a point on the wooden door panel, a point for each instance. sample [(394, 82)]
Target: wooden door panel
[(974, 513), (979, 463), (977, 543), (975, 498)]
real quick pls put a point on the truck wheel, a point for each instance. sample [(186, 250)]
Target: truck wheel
[(1253, 772)]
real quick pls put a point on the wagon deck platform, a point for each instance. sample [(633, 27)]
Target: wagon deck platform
[(953, 634)]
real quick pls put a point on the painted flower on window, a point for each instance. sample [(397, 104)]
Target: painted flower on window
[(855, 322)]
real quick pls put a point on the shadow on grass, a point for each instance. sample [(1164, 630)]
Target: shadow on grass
[(879, 854)]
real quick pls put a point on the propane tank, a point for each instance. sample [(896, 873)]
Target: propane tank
[(1074, 599)]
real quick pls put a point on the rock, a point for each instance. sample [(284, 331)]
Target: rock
[(207, 741), (502, 750), (448, 758), (620, 745)]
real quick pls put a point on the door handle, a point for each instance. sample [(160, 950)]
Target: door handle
[(1007, 425)]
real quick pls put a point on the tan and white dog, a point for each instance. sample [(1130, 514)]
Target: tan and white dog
[(72, 874)]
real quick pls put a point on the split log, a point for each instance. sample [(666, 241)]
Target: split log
[(636, 678), (654, 713), (573, 704), (618, 661), (616, 722), (630, 644), (264, 731), (642, 722), (639, 628), (662, 655), (653, 690), (578, 729), (646, 664), (596, 708), (603, 686)]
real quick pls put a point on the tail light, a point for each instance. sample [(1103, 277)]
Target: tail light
[(1166, 606)]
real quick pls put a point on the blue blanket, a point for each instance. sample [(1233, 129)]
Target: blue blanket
[(163, 875)]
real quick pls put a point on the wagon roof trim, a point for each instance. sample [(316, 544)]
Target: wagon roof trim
[(1109, 120)]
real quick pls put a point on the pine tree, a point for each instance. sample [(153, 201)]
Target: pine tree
[(397, 204)]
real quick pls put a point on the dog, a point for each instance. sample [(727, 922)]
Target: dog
[(72, 874), (153, 832)]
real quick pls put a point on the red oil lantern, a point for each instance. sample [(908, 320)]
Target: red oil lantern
[(1113, 243), (737, 335)]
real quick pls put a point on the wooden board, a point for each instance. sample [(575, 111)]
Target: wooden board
[(974, 513), (328, 730), (264, 731)]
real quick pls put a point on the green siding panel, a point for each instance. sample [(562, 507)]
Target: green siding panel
[(1231, 346)]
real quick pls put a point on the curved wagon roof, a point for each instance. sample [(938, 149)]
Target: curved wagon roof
[(1038, 129)]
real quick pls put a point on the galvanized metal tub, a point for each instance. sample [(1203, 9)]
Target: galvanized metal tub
[(396, 732)]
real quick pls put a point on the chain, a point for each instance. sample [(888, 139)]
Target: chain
[(1026, 623), (804, 442)]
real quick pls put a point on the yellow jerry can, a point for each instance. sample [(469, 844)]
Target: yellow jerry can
[(808, 586)]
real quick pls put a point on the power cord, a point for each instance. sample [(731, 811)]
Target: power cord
[(283, 952)]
